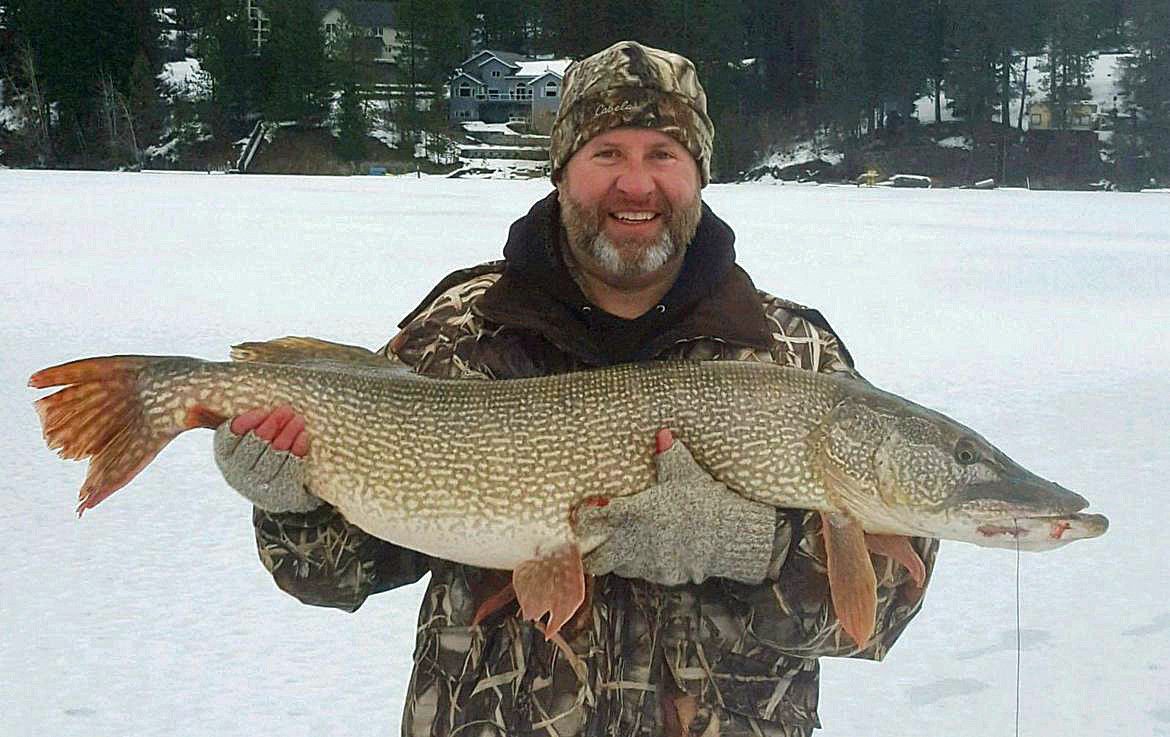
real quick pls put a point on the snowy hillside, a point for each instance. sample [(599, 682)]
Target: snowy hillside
[(1037, 318)]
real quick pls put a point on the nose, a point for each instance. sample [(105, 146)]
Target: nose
[(635, 181)]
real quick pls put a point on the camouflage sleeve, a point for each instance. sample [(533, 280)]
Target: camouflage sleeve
[(803, 338), (444, 338), (323, 560)]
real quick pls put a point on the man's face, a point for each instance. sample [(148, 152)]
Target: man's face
[(629, 202)]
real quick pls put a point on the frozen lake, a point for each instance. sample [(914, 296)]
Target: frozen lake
[(1037, 318)]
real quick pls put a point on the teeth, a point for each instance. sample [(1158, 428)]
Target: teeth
[(634, 216)]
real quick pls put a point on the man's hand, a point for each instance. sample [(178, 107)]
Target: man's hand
[(259, 454), (687, 527)]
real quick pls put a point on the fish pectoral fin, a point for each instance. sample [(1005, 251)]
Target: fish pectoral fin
[(851, 577), (898, 548), (311, 351), (553, 584)]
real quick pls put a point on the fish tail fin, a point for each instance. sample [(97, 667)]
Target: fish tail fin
[(100, 415)]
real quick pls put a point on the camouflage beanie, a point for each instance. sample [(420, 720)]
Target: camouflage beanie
[(629, 84)]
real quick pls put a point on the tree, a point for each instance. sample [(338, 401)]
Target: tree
[(935, 50), (350, 56), (104, 40), (841, 96), (1146, 83), (227, 55), (293, 64), (1074, 26)]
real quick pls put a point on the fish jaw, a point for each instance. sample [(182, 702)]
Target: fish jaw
[(1041, 533), (1022, 512)]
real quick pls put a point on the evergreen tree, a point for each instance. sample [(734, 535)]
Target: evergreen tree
[(1146, 83), (439, 34), (76, 44), (351, 55), (227, 56), (985, 44), (935, 50), (785, 39), (293, 64), (841, 95), (1074, 26)]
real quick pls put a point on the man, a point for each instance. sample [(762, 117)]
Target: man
[(708, 611)]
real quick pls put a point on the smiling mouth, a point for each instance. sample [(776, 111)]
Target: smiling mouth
[(634, 218)]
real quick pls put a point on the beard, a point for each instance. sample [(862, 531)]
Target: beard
[(628, 257)]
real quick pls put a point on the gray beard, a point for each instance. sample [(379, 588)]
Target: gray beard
[(583, 228), (606, 254)]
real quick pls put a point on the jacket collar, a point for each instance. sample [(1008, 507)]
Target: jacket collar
[(712, 297)]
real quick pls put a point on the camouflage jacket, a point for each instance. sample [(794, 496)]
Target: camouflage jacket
[(721, 658)]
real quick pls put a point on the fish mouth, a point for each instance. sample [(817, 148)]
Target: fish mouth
[(1042, 532), (1029, 514)]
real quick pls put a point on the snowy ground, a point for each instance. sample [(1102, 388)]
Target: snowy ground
[(1038, 318)]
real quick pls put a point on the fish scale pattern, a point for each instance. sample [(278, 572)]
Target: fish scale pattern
[(746, 655)]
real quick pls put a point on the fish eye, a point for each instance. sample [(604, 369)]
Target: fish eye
[(966, 453)]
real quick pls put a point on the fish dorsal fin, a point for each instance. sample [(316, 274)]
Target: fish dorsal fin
[(307, 351)]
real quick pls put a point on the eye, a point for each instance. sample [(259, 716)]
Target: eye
[(967, 453), (606, 153)]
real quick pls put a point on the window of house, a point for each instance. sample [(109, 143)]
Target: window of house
[(330, 30), (551, 89), (495, 72), (1035, 118), (376, 31), (465, 90)]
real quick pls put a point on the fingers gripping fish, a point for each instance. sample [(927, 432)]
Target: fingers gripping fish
[(489, 473)]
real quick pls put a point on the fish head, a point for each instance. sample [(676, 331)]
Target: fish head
[(905, 469)]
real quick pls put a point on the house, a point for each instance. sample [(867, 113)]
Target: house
[(1077, 116), (375, 20), (500, 86)]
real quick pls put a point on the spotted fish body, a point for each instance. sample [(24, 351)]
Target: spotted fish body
[(489, 473)]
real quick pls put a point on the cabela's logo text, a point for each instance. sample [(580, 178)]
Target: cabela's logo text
[(611, 109)]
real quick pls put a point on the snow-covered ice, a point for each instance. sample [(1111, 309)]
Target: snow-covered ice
[(1038, 318)]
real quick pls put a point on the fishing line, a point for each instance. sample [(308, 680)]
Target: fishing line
[(1018, 630)]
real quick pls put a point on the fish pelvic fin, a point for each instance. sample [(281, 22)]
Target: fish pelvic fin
[(852, 581), (494, 603), (899, 549), (553, 584), (299, 350), (99, 415)]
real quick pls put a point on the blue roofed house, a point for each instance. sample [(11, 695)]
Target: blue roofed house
[(501, 86)]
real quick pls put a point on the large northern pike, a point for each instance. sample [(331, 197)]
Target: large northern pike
[(490, 473)]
